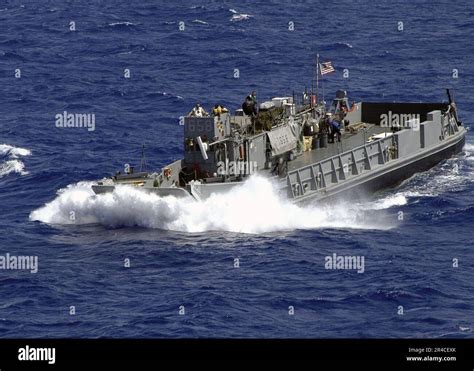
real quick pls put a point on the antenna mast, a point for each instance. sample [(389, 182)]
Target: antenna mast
[(143, 162)]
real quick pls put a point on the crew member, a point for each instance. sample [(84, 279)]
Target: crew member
[(250, 105), (335, 130), (253, 97), (198, 111), (218, 109)]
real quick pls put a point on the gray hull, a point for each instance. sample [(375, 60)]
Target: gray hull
[(392, 175)]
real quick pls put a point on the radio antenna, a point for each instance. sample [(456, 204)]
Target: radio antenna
[(143, 161)]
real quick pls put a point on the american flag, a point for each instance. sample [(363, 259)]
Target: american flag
[(326, 67)]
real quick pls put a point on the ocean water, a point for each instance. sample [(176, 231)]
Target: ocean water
[(182, 280)]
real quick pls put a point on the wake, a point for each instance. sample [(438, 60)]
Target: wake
[(253, 207)]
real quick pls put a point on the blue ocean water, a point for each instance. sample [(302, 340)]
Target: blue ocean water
[(183, 256)]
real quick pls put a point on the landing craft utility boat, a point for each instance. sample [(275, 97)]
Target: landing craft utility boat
[(314, 152)]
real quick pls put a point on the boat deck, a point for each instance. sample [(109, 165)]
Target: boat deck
[(348, 141)]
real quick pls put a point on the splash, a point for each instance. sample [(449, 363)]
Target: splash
[(386, 202), (13, 152), (238, 17), (253, 207), (469, 149), (12, 164)]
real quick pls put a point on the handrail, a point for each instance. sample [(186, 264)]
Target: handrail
[(312, 177)]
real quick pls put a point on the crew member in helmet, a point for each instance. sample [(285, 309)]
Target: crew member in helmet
[(198, 111), (218, 109), (250, 105)]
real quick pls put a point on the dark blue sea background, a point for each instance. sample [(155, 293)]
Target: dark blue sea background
[(182, 254)]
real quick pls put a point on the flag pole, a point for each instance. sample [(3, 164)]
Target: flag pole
[(322, 86), (317, 79)]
